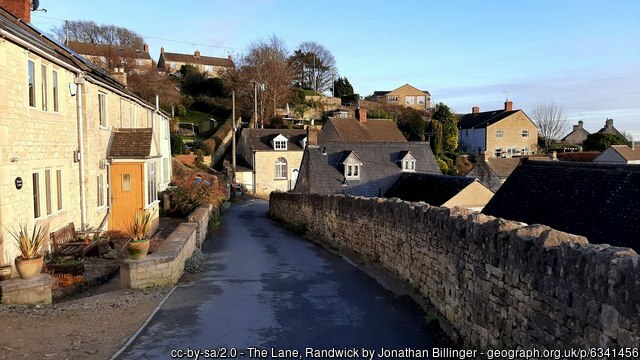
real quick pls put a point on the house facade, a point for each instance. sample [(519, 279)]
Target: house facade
[(493, 172), (58, 117), (499, 133), (269, 159), (109, 57), (620, 154), (212, 66), (406, 95), (577, 136), (608, 128)]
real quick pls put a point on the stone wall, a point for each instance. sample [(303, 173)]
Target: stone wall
[(36, 290), (501, 284), (201, 218)]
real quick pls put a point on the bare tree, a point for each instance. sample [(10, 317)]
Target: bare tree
[(314, 65), (152, 83), (551, 122), (91, 32)]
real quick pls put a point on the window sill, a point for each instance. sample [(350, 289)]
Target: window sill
[(102, 209), (150, 206), (276, 179), (104, 128)]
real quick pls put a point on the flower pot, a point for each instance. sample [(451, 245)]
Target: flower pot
[(138, 249), (29, 268), (5, 272)]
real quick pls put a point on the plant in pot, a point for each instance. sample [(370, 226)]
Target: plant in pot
[(5, 270), (137, 231), (29, 262)]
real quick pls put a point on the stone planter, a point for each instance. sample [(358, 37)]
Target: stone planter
[(5, 272), (29, 268), (138, 249)]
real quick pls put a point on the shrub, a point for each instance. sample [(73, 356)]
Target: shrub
[(186, 151), (192, 190), (177, 145), (181, 110), (443, 166), (208, 147)]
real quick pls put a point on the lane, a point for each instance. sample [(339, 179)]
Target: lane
[(266, 287)]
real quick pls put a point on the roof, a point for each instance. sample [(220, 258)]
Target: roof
[(583, 156), (431, 188), (351, 130), (384, 92), (483, 119), (202, 60), (381, 166), (260, 139), (502, 167), (627, 153), (599, 201), (131, 143), (91, 49), (579, 133)]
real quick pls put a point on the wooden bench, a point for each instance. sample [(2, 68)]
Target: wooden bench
[(69, 242)]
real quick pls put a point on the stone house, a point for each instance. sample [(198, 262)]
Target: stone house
[(59, 114), (596, 200), (620, 154), (441, 190), (109, 57), (608, 128), (212, 66), (577, 136), (360, 129), (406, 95), (493, 172), (269, 159), (501, 133)]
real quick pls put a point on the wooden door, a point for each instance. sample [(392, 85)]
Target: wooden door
[(127, 193)]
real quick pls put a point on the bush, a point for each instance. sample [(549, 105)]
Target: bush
[(192, 190), (443, 166), (186, 151), (177, 145), (181, 110)]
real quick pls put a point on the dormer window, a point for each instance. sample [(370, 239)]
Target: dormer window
[(303, 142), (352, 164), (407, 162), (279, 142)]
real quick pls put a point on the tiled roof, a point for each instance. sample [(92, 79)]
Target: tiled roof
[(431, 188), (202, 60), (483, 119), (91, 49), (583, 156), (350, 130), (324, 174), (260, 139), (579, 133), (502, 167), (627, 153), (599, 201), (131, 143)]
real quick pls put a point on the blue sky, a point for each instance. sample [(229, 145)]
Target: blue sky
[(582, 54)]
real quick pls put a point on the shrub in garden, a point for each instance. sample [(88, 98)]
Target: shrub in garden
[(194, 189)]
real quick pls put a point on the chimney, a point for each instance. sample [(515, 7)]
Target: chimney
[(608, 123), (19, 8), (475, 110), (632, 145), (120, 75), (576, 127), (362, 115), (484, 157), (312, 136), (197, 53), (230, 57), (508, 105), (162, 50), (146, 48), (554, 156), (580, 124)]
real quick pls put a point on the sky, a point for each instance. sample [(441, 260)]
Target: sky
[(583, 55)]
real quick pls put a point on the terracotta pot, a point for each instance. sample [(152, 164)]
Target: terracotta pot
[(5, 272), (29, 268), (138, 249)]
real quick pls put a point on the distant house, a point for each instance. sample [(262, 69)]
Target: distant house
[(109, 57), (501, 133), (212, 66), (360, 168), (406, 95), (610, 129), (620, 154), (599, 201), (360, 130), (441, 190), (493, 172), (269, 159), (577, 136)]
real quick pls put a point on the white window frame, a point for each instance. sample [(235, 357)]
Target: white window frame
[(281, 166), (410, 100), (408, 165), (59, 189), (280, 144), (31, 84), (44, 87), (352, 171), (36, 194), (525, 150), (525, 133), (392, 99), (498, 152), (152, 183), (55, 91), (102, 110), (499, 133), (421, 99), (100, 191)]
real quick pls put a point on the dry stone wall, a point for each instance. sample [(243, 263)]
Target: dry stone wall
[(500, 283)]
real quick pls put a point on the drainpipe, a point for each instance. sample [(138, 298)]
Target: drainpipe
[(79, 81), (254, 173)]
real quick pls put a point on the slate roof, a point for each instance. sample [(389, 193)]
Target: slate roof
[(483, 119), (202, 60), (431, 188), (91, 49), (599, 201), (350, 130), (260, 139), (131, 143), (627, 153), (583, 156), (324, 174), (579, 134)]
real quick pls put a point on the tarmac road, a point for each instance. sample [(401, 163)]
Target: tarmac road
[(274, 291)]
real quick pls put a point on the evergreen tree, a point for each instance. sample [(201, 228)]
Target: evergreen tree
[(342, 87), (444, 115)]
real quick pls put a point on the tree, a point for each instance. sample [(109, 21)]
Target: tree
[(152, 83), (90, 32), (602, 141), (412, 124), (342, 87), (434, 130), (444, 115), (551, 122), (314, 66), (194, 82)]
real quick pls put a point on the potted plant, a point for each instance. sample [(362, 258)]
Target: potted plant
[(5, 270), (137, 231), (29, 262)]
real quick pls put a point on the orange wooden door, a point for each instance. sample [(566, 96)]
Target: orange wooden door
[(127, 193)]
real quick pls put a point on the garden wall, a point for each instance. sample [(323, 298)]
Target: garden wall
[(500, 283)]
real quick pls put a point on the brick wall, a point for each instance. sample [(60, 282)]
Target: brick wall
[(499, 283)]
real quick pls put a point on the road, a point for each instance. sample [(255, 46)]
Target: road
[(272, 290)]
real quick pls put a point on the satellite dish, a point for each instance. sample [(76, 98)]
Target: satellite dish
[(35, 4)]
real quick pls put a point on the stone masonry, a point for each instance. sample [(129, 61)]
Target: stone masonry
[(501, 284)]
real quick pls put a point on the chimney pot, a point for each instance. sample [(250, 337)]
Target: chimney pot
[(608, 123), (362, 115), (484, 156), (580, 124), (475, 110), (197, 53), (19, 8), (576, 127), (146, 48), (508, 105)]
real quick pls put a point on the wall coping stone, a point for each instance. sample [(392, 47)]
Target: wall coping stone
[(16, 284), (170, 249)]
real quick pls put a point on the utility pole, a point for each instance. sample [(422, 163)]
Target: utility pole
[(255, 104), (66, 30), (233, 143)]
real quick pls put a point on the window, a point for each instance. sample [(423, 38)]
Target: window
[(409, 100), (35, 179), (100, 189), (59, 188), (47, 190), (498, 152), (281, 168), (152, 195), (525, 150), (43, 83), (392, 99), (422, 99), (499, 133), (32, 85), (280, 144), (165, 163), (525, 133), (54, 84), (408, 165), (511, 151), (102, 109), (125, 184), (353, 171)]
